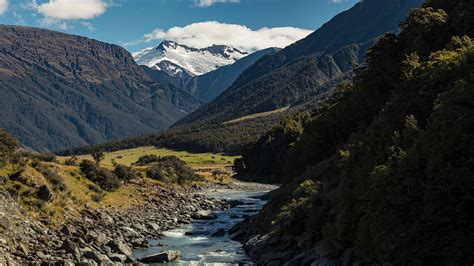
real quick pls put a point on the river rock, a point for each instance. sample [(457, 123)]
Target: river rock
[(68, 230), (97, 257), (327, 248), (98, 238), (325, 262), (204, 215), (120, 247), (107, 219), (70, 247), (219, 233), (118, 258), (166, 256)]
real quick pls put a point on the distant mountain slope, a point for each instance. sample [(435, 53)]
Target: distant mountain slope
[(59, 91), (210, 85), (310, 66), (177, 59)]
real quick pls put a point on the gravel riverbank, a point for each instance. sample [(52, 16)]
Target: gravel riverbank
[(102, 236)]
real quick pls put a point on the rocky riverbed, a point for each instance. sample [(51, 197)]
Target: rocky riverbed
[(101, 236), (206, 240)]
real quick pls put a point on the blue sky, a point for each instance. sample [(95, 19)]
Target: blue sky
[(136, 24)]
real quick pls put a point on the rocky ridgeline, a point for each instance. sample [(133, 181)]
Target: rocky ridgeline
[(103, 236)]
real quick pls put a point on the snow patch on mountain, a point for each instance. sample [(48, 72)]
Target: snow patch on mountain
[(173, 58)]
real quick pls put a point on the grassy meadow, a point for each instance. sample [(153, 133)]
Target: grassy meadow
[(195, 160)]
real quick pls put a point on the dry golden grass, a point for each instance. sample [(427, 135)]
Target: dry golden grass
[(128, 157), (257, 115)]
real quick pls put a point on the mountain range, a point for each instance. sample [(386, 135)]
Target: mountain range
[(208, 86), (61, 91), (184, 61), (293, 79)]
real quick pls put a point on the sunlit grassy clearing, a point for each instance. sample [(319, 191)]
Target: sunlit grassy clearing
[(127, 157)]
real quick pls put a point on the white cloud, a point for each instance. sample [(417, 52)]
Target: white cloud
[(3, 6), (71, 9), (54, 23), (88, 25), (207, 3), (204, 34)]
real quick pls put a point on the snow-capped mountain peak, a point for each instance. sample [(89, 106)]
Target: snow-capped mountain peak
[(174, 58)]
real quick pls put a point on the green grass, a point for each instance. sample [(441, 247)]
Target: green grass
[(127, 157)]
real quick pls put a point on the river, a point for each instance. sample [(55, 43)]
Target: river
[(196, 242)]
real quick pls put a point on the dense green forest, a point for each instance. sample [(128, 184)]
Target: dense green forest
[(386, 167)]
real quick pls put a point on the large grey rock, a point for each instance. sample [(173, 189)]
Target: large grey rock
[(166, 256), (107, 219), (98, 238), (68, 230), (325, 262), (219, 233), (97, 257), (87, 262), (70, 247), (204, 215), (121, 258), (120, 247), (328, 248)]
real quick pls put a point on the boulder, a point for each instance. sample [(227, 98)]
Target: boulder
[(327, 248), (120, 258), (325, 262), (204, 215), (219, 233), (100, 238), (68, 230), (120, 247), (105, 218), (87, 262), (100, 258), (165, 256), (70, 247)]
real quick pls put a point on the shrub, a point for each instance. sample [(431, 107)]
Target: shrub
[(98, 156), (72, 161), (173, 170), (98, 197), (55, 179), (45, 157), (125, 173), (8, 146), (146, 160), (102, 177)]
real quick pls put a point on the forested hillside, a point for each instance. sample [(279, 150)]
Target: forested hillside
[(385, 169), (306, 71), (61, 91)]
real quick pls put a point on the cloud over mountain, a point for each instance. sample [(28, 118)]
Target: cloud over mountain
[(204, 34), (71, 9), (207, 3), (3, 6)]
